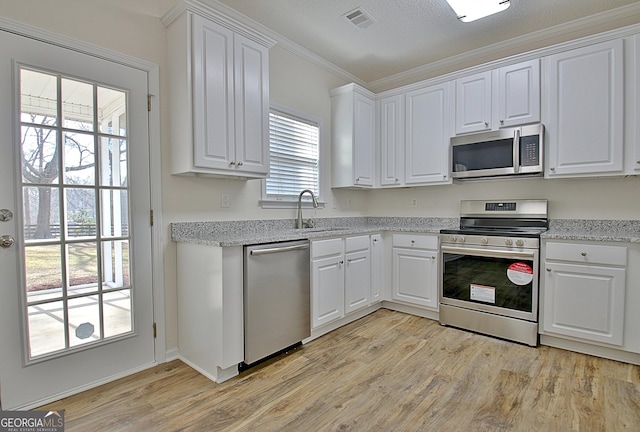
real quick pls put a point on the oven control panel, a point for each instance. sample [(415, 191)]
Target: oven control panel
[(496, 241)]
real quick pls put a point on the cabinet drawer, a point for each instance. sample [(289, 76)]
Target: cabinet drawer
[(357, 243), (587, 253), (416, 241), (320, 248)]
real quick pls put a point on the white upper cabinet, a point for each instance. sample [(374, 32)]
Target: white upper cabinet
[(505, 97), (391, 140), (427, 135), (631, 117), (518, 100), (219, 97), (585, 130), (353, 119), (473, 103)]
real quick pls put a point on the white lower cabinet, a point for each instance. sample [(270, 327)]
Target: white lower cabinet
[(327, 281), (340, 278), (377, 268), (415, 269), (584, 291), (357, 273)]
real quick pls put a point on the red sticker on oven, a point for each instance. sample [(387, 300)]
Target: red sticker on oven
[(520, 273)]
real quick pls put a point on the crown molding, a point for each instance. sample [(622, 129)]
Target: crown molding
[(433, 69), (481, 54), (206, 7), (239, 24)]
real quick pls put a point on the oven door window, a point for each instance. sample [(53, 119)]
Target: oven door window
[(501, 282)]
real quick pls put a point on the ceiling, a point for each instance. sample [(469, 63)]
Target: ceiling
[(409, 34)]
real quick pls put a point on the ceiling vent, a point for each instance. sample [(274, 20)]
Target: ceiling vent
[(360, 18)]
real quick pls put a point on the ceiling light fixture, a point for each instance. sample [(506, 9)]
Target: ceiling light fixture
[(471, 10)]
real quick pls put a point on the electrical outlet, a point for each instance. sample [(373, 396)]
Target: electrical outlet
[(224, 200), (414, 203)]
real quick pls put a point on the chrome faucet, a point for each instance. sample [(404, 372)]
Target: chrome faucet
[(299, 222)]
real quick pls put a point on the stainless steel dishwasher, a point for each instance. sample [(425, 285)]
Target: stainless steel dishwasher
[(277, 310)]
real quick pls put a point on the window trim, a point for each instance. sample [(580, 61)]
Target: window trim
[(267, 202)]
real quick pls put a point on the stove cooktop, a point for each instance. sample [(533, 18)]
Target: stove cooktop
[(527, 232)]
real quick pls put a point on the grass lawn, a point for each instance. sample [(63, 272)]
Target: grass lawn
[(44, 265)]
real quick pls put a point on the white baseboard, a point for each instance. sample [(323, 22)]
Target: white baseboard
[(172, 354), (80, 389)]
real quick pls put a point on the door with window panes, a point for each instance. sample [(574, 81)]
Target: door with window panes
[(76, 300)]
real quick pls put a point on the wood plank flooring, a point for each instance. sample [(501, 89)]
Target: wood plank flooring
[(386, 372)]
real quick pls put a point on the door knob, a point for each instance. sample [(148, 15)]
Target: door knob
[(6, 241)]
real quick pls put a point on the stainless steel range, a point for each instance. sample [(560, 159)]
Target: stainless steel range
[(490, 269)]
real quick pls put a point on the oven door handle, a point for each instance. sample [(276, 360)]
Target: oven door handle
[(487, 252)]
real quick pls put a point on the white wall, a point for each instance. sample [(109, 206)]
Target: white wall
[(134, 28), (603, 198)]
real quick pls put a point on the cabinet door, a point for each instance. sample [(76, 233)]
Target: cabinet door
[(213, 95), (585, 125), (519, 94), (585, 302), (357, 280), (635, 145), (415, 277), (473, 103), (251, 106), (327, 287), (427, 135), (377, 268), (364, 140), (391, 135)]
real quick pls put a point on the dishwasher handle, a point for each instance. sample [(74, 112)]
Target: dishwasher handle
[(279, 249)]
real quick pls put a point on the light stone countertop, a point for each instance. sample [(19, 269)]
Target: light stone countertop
[(246, 232), (627, 231), (241, 233)]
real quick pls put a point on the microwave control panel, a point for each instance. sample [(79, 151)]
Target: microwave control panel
[(530, 150)]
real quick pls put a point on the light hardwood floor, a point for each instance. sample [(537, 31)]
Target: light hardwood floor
[(386, 372)]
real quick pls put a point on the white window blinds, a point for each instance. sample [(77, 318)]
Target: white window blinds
[(294, 154)]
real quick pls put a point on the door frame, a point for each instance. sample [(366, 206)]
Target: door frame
[(153, 74)]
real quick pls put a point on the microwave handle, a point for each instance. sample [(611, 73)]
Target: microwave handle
[(516, 150)]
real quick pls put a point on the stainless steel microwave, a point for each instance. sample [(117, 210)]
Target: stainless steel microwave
[(505, 152)]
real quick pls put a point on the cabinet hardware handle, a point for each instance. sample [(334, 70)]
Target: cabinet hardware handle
[(232, 163), (548, 269), (583, 253), (501, 121), (552, 169), (341, 262), (486, 123), (239, 163)]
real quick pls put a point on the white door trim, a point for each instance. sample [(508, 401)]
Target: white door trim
[(153, 71)]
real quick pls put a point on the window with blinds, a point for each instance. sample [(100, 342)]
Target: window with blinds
[(294, 157)]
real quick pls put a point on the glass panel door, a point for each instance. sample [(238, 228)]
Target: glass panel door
[(75, 200)]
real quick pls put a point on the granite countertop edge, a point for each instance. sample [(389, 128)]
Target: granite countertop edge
[(241, 233), (601, 230)]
